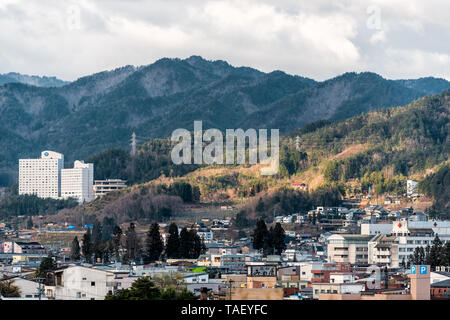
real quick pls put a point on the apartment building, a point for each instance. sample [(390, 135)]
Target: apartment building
[(102, 187), (349, 248)]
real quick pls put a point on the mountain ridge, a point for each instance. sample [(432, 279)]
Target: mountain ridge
[(100, 111)]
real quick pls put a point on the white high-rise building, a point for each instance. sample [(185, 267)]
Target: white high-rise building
[(78, 182), (47, 178), (41, 177)]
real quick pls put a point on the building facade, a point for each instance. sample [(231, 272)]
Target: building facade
[(46, 177), (78, 181), (41, 177)]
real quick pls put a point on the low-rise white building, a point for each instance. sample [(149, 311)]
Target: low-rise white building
[(81, 283)]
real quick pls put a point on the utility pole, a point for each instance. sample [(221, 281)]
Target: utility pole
[(133, 144), (40, 289), (230, 287)]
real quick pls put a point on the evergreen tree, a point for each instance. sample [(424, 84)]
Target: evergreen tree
[(173, 242), (260, 206), (116, 242), (268, 242), (30, 223), (75, 250), (87, 247), (186, 248), (97, 246), (47, 265), (259, 235), (133, 252), (278, 236), (199, 245), (153, 244), (241, 219), (435, 256), (446, 254), (108, 226)]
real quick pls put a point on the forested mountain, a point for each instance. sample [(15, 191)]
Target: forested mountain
[(101, 111), (37, 81)]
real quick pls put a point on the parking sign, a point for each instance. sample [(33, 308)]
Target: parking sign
[(413, 269), (423, 269)]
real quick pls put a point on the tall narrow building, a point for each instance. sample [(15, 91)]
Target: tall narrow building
[(41, 177), (78, 182)]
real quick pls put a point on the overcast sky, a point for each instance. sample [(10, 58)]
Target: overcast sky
[(314, 38)]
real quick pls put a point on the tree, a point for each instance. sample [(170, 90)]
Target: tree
[(446, 254), (241, 220), (242, 234), (8, 289), (75, 250), (47, 265), (435, 256), (141, 289), (153, 244), (260, 207), (98, 246), (173, 242), (186, 244), (268, 242), (108, 226), (116, 242), (30, 223), (165, 280), (199, 245), (133, 252), (278, 236), (87, 247), (167, 287), (259, 235)]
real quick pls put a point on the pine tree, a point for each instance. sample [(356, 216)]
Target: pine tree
[(259, 235), (435, 255), (116, 242), (446, 254), (132, 245), (199, 245), (75, 250), (187, 248), (153, 244), (87, 247), (278, 237), (260, 206), (30, 223), (268, 242), (97, 246), (173, 242)]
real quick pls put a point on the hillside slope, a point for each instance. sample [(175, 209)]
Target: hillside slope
[(101, 111)]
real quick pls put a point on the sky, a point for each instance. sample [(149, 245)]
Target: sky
[(318, 39)]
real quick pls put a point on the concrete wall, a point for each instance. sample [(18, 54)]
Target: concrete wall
[(257, 294)]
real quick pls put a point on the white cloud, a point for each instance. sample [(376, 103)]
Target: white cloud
[(318, 39)]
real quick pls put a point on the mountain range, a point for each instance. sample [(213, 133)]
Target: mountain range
[(14, 77), (99, 111)]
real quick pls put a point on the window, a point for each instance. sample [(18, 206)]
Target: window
[(317, 291), (92, 283)]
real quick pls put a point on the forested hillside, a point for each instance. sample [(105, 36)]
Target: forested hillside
[(101, 111)]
